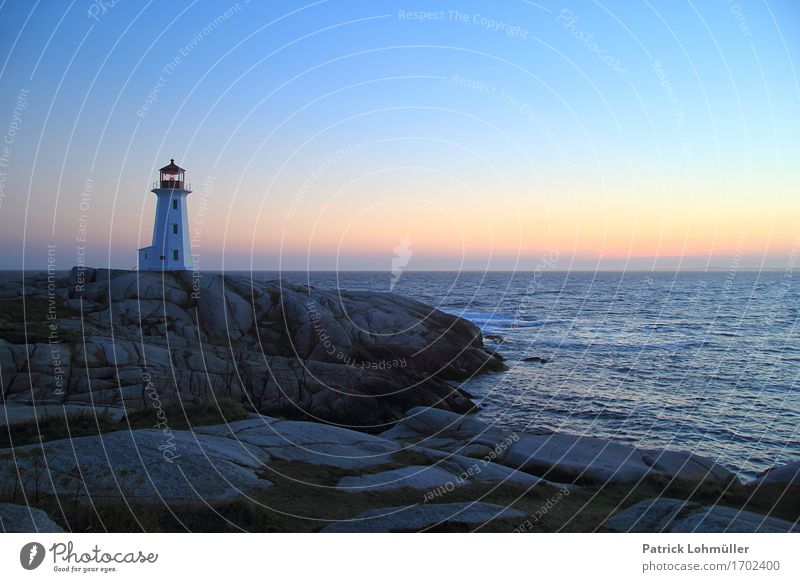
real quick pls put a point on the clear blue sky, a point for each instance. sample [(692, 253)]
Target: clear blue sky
[(654, 134)]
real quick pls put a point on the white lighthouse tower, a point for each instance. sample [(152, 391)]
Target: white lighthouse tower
[(170, 248)]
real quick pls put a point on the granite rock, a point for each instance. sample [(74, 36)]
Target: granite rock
[(423, 517), (680, 516), (23, 519), (352, 358)]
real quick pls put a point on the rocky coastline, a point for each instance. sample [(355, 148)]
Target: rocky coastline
[(121, 338), (149, 402)]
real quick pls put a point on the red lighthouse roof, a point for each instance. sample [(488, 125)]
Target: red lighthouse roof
[(172, 168)]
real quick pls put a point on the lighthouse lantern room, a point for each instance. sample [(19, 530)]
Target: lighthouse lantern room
[(170, 248)]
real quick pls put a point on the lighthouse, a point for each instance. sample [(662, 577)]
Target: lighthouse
[(170, 248)]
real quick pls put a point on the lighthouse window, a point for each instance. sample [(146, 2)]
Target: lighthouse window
[(175, 255), (174, 204), (174, 229)]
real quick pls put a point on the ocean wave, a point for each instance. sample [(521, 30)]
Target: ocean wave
[(501, 320)]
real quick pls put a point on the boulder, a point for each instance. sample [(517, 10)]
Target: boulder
[(680, 516), (788, 474), (536, 360), (223, 314), (24, 519), (417, 518)]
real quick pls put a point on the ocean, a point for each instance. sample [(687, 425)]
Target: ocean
[(707, 362)]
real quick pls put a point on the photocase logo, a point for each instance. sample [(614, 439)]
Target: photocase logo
[(402, 255), (31, 555)]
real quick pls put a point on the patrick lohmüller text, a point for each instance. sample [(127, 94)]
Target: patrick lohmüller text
[(694, 549)]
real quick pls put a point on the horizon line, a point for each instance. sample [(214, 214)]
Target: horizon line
[(408, 271)]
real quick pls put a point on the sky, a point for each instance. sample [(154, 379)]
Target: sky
[(455, 135)]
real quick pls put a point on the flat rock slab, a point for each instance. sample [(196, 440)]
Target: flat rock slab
[(676, 515), (601, 460), (445, 430), (430, 421), (447, 473), (223, 462), (422, 517), (23, 519), (479, 470), (413, 476), (138, 466), (309, 442)]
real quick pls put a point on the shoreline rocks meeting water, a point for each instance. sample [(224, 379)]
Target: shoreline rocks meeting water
[(170, 402), (120, 338)]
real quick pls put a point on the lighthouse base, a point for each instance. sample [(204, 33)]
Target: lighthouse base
[(148, 261)]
